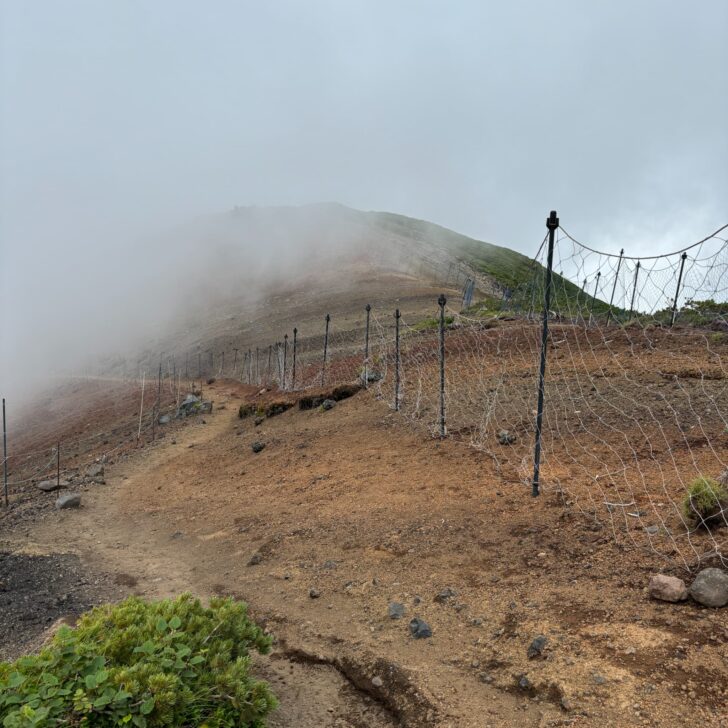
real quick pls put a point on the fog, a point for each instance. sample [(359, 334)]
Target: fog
[(128, 130)]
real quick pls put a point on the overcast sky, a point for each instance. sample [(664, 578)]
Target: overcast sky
[(123, 117)]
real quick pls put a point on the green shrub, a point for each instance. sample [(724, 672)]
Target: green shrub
[(432, 323), (705, 502), (167, 663), (246, 410)]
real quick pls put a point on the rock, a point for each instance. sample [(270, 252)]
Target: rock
[(47, 486), (723, 478), (328, 404), (599, 679), (419, 629), (371, 376), (255, 559), (257, 446), (710, 588), (535, 649), (377, 681), (652, 530), (258, 421), (524, 683), (95, 471), (505, 437), (395, 610), (667, 588), (445, 594), (192, 405), (211, 380), (72, 500), (314, 593), (329, 564), (164, 419)]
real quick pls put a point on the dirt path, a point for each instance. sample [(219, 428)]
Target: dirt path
[(356, 507)]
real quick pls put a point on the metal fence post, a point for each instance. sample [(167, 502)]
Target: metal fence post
[(366, 348), (594, 297), (285, 358), (212, 362), (5, 456), (222, 364), (441, 301), (268, 374), (396, 359), (677, 290), (235, 360), (58, 464), (326, 348), (552, 223), (614, 287), (634, 290), (199, 365), (295, 347)]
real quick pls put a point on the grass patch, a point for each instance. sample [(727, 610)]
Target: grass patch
[(705, 503)]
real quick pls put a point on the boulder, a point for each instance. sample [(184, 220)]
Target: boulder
[(535, 649), (72, 500), (164, 419), (328, 404), (95, 471), (710, 588), (48, 486), (444, 594), (395, 610), (257, 446), (667, 588), (506, 437)]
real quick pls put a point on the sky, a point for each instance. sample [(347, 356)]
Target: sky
[(119, 119)]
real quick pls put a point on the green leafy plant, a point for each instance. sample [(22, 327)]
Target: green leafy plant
[(705, 503), (432, 323), (144, 664)]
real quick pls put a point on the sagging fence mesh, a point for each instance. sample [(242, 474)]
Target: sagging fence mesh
[(634, 428), (635, 415)]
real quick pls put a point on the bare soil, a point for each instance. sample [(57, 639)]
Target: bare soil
[(357, 505)]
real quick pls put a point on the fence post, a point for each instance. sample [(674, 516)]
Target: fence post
[(366, 348), (268, 374), (326, 348), (235, 359), (594, 297), (222, 364), (199, 365), (295, 348), (278, 364), (58, 464), (677, 290), (396, 359), (285, 358), (552, 223), (441, 301), (5, 456), (614, 287), (634, 290), (155, 412), (257, 366), (141, 408), (212, 363)]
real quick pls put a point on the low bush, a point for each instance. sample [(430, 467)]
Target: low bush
[(705, 503), (144, 664)]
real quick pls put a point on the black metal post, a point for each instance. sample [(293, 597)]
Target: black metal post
[(594, 297), (257, 365), (295, 348), (222, 364), (268, 374), (278, 364), (614, 287), (396, 359), (683, 257), (366, 347), (441, 301), (58, 464), (634, 290), (552, 223), (326, 349), (5, 456), (235, 360), (285, 358)]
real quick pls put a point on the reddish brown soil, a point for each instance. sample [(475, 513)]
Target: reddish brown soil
[(356, 504)]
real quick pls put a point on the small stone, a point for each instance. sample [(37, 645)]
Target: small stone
[(314, 593), (524, 683), (257, 446), (599, 679), (329, 564), (652, 530), (443, 595), (164, 419), (419, 629), (395, 610), (258, 421), (255, 559), (667, 588), (535, 649), (47, 486), (72, 500), (377, 681), (485, 678), (328, 404), (95, 470), (710, 588)]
